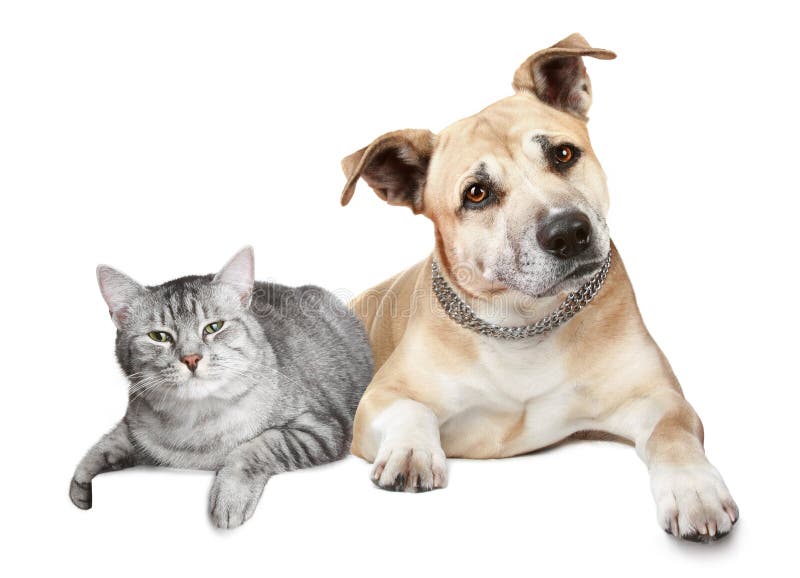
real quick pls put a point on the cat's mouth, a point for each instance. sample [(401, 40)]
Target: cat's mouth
[(195, 381), (209, 384)]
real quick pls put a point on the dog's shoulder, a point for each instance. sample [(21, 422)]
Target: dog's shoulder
[(386, 308)]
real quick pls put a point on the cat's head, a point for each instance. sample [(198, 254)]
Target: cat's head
[(190, 338)]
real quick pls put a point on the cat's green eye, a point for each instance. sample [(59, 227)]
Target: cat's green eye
[(160, 336), (213, 327)]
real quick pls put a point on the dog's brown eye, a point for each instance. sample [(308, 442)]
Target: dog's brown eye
[(564, 153), (476, 194)]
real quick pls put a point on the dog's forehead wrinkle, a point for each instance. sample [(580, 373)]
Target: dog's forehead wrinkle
[(498, 134), (491, 129)]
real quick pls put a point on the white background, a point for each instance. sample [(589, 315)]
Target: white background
[(160, 137)]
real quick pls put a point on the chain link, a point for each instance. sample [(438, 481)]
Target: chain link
[(463, 314)]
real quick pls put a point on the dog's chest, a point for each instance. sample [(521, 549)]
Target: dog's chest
[(519, 371), (517, 397)]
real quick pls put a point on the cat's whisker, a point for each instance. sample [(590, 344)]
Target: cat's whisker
[(145, 390), (145, 380), (145, 384)]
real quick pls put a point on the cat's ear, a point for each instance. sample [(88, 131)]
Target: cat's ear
[(239, 273), (119, 291)]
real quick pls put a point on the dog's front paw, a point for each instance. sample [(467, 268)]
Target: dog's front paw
[(81, 494), (693, 502), (410, 469), (234, 497)]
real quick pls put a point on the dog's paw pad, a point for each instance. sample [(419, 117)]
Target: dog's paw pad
[(407, 469)]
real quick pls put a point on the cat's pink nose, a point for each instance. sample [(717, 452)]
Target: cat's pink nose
[(192, 360)]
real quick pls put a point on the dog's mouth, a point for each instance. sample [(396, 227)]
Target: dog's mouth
[(584, 270), (572, 280)]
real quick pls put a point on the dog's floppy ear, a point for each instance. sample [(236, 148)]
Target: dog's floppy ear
[(557, 76), (395, 165)]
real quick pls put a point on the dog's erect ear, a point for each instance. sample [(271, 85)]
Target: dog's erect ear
[(395, 165), (558, 77)]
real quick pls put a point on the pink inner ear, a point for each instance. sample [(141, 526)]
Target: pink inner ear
[(118, 291), (244, 292), (239, 273), (120, 315), (244, 297)]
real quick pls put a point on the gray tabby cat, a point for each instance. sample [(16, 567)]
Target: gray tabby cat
[(245, 378)]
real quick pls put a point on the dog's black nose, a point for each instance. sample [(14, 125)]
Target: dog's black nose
[(565, 234)]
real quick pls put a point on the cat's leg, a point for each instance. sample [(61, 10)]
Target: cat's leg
[(114, 451), (400, 436), (306, 441), (692, 500)]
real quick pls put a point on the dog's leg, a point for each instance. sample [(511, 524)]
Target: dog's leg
[(691, 498), (400, 437)]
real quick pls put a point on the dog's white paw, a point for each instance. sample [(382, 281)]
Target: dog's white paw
[(693, 502), (234, 497), (410, 469)]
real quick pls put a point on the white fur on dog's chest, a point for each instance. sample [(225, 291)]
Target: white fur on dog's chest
[(524, 370), (516, 398)]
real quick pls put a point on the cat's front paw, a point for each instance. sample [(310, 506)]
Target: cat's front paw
[(234, 497), (693, 502), (81, 494), (410, 469)]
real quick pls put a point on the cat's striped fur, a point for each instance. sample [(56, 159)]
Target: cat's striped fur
[(275, 389)]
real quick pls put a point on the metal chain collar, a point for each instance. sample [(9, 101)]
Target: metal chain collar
[(461, 313)]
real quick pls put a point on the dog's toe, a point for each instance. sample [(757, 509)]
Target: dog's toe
[(406, 469), (693, 502)]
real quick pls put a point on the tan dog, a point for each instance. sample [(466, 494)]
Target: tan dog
[(518, 200)]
